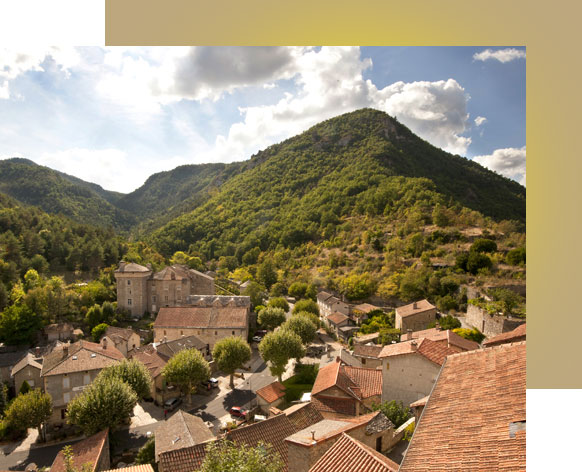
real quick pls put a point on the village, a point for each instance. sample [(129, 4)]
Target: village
[(421, 397)]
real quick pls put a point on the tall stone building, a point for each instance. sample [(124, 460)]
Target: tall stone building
[(140, 290)]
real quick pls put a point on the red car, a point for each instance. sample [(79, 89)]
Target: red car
[(238, 411)]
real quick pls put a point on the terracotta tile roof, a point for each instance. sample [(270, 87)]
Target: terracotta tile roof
[(349, 455), (303, 415), (28, 360), (134, 468), (366, 308), (151, 358), (81, 356), (183, 460), (408, 310), (420, 402), (271, 431), (363, 350), (452, 338), (202, 317), (339, 405), (337, 318), (369, 380), (331, 428), (272, 392), (467, 423), (179, 431), (431, 350), (518, 334), (131, 267), (86, 451), (122, 333), (170, 348), (333, 375)]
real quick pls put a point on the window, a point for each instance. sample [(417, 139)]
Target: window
[(86, 379), (233, 333), (30, 383), (216, 333), (181, 332), (129, 302), (166, 298), (63, 414), (164, 332), (129, 282), (363, 361), (66, 397), (130, 291), (154, 298), (66, 383)]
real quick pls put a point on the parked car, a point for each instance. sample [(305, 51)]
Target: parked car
[(210, 383), (257, 339), (238, 412), (172, 403)]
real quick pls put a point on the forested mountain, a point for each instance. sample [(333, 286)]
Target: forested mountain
[(59, 193), (360, 163)]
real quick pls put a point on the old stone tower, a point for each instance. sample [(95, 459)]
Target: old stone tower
[(139, 290)]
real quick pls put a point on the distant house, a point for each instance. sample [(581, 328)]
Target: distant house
[(93, 451), (349, 454), (368, 355), (347, 332), (180, 431), (210, 318), (68, 369), (337, 321), (307, 447), (362, 311), (518, 334), (171, 348), (27, 370), (124, 339), (445, 337), (139, 290), (271, 395), (345, 390), (475, 415), (59, 332), (329, 304), (416, 316), (7, 362), (410, 368)]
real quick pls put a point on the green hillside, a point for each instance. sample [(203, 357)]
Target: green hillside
[(360, 163), (59, 193)]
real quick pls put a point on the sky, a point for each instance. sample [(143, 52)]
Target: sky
[(114, 116)]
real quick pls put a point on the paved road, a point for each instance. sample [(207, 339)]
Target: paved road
[(41, 456)]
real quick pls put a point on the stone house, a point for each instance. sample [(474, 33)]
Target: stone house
[(139, 290), (210, 319), (179, 431), (59, 332), (68, 369), (416, 316), (169, 348), (306, 447), (93, 451), (349, 454), (27, 370), (517, 335), (271, 395), (361, 311), (329, 304), (123, 339), (8, 359), (343, 390), (337, 321), (478, 405), (368, 355), (410, 369)]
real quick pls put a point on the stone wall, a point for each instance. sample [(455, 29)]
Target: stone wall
[(490, 325), (407, 378)]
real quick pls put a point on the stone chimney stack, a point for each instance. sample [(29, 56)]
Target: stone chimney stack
[(66, 349), (414, 345), (408, 334), (37, 352), (415, 305), (104, 343), (437, 326)]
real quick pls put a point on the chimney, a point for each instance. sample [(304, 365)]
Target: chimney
[(37, 352), (165, 339), (66, 349), (408, 334), (414, 345), (437, 326), (414, 306), (313, 435), (104, 343)]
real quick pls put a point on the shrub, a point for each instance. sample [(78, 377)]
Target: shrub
[(279, 302), (306, 305), (516, 256), (470, 334), (395, 411), (484, 245)]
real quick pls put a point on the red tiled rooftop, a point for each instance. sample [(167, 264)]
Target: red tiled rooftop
[(87, 451), (369, 380), (350, 455), (408, 310), (431, 350), (272, 392), (518, 334), (478, 397)]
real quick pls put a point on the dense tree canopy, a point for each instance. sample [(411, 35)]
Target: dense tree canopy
[(230, 354), (186, 370), (278, 348)]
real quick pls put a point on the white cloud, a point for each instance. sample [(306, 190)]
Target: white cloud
[(480, 120), (509, 162), (15, 63), (501, 55)]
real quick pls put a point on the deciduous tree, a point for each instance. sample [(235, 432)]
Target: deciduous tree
[(30, 410), (225, 456), (133, 373), (185, 370), (278, 347), (270, 317), (303, 326), (230, 354)]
